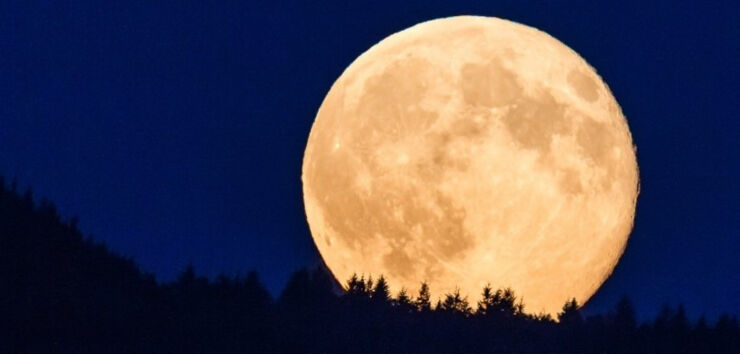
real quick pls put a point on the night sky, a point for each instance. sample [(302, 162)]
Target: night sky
[(175, 131)]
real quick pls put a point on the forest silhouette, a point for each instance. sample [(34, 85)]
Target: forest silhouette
[(62, 292)]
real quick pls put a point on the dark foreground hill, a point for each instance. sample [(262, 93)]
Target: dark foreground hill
[(63, 293)]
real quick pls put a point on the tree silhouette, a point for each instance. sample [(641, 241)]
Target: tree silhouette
[(61, 291), (403, 302), (381, 294), (423, 299), (499, 304), (357, 288), (456, 304), (570, 315), (369, 285), (624, 315), (298, 291)]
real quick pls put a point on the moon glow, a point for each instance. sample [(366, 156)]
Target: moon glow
[(472, 150)]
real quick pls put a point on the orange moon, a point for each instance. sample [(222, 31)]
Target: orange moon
[(471, 150)]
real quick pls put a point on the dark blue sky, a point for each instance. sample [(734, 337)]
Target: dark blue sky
[(175, 130)]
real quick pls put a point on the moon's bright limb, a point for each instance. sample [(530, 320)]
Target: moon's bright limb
[(470, 150)]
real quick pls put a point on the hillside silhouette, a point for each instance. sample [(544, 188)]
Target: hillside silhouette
[(61, 292)]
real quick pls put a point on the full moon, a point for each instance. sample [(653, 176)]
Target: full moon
[(472, 150)]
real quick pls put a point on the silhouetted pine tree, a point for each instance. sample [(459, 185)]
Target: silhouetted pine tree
[(571, 324), (403, 302), (499, 304), (297, 292), (357, 288), (456, 304), (381, 294), (570, 315), (423, 301), (624, 317)]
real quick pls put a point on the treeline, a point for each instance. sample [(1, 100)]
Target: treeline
[(63, 293)]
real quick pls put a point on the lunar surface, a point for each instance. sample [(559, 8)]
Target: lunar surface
[(472, 150)]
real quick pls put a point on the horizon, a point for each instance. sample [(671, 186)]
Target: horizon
[(341, 286), (175, 131)]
